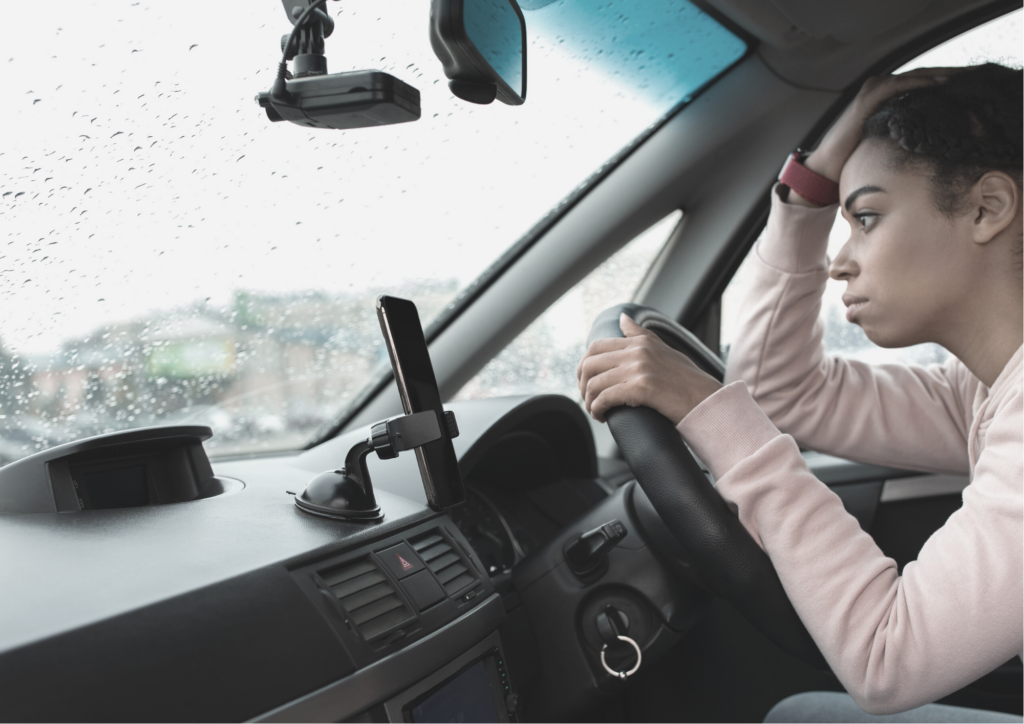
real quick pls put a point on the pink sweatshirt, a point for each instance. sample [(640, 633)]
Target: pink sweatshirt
[(956, 613)]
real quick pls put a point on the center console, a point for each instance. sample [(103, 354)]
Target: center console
[(418, 616), (475, 687)]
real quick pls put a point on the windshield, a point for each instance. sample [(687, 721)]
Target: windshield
[(173, 257)]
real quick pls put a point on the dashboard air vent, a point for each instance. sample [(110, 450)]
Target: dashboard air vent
[(447, 565), (367, 596)]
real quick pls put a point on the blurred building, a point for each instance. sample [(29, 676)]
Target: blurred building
[(267, 370)]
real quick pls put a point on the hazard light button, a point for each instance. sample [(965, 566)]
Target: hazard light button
[(401, 560)]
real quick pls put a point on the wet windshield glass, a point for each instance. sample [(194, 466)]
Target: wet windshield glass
[(171, 256)]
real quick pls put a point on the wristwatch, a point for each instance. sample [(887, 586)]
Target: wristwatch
[(815, 188)]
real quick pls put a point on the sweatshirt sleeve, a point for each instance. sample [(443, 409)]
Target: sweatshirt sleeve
[(904, 416), (895, 642)]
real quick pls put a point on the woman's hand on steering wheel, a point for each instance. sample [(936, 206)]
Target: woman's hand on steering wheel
[(641, 371)]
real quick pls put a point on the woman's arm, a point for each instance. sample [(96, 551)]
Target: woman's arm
[(902, 416), (894, 641), (889, 414), (913, 417), (906, 417)]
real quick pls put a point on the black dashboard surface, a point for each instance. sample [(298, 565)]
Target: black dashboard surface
[(193, 598)]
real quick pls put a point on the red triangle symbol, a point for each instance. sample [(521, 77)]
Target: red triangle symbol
[(406, 565)]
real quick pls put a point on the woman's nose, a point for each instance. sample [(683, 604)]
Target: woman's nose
[(844, 266)]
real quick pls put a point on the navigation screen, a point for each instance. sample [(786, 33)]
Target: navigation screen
[(469, 697)]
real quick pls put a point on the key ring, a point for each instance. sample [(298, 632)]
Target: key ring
[(622, 674)]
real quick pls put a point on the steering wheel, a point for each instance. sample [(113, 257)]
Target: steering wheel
[(726, 558)]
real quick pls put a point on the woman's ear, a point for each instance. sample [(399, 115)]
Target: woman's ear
[(996, 198)]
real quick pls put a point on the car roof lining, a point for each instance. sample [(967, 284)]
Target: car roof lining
[(829, 45)]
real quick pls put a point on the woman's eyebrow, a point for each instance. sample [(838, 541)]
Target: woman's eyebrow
[(860, 192)]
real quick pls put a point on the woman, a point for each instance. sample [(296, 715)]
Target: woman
[(928, 166)]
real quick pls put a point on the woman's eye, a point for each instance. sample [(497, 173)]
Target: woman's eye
[(865, 219)]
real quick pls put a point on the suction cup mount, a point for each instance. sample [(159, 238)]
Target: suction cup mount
[(347, 494)]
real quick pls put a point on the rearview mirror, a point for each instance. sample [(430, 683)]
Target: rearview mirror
[(482, 46)]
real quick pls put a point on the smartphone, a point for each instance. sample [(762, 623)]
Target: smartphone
[(414, 374)]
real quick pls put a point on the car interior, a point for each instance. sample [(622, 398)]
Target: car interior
[(210, 593)]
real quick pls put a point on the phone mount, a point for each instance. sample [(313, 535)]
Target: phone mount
[(347, 494)]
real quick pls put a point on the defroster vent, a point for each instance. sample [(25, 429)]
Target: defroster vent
[(446, 563), (367, 596)]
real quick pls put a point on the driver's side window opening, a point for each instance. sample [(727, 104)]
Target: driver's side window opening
[(997, 41), (543, 358)]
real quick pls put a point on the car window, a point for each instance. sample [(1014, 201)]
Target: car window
[(173, 257), (543, 358), (1000, 41)]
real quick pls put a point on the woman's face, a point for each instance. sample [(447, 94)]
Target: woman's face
[(906, 265)]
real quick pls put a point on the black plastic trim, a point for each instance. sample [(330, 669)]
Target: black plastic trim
[(464, 63), (366, 646), (224, 652), (392, 675), (400, 707), (44, 482)]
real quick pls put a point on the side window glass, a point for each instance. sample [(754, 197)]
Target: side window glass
[(996, 41), (543, 358)]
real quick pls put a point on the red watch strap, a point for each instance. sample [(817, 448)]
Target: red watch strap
[(813, 187)]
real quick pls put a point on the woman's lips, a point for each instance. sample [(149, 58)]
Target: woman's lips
[(853, 305)]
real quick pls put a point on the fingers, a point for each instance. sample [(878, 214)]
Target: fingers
[(880, 88), (598, 388), (632, 329), (623, 377), (613, 396), (611, 344), (641, 371), (606, 353), (903, 83), (841, 140), (599, 347), (593, 366), (617, 371)]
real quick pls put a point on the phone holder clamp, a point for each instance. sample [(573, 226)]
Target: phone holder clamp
[(347, 494)]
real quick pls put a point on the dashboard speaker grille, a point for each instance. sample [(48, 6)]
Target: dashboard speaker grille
[(367, 596), (446, 563)]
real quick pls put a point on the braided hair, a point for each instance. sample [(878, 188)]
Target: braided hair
[(958, 130)]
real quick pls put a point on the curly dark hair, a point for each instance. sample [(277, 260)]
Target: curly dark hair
[(957, 130)]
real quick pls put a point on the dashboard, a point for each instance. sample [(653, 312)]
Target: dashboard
[(240, 606), (232, 604), (522, 493)]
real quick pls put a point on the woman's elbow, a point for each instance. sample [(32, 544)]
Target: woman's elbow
[(889, 697)]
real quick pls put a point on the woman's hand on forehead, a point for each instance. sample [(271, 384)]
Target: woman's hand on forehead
[(842, 138)]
